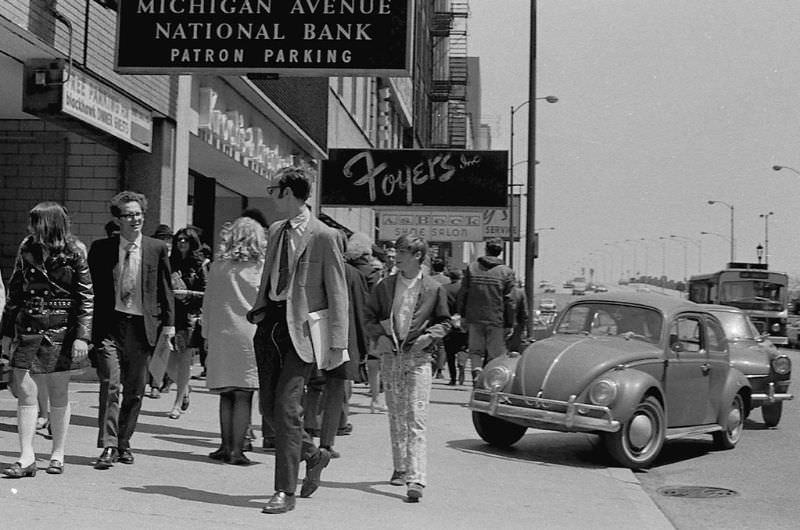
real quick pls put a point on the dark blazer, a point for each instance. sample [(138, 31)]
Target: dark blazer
[(157, 299)]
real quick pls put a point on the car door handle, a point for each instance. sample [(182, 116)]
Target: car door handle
[(705, 368)]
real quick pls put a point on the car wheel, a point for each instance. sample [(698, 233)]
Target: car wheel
[(729, 436), (772, 413), (497, 432), (639, 440)]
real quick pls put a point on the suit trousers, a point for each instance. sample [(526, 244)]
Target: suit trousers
[(122, 368), (408, 394), (282, 376)]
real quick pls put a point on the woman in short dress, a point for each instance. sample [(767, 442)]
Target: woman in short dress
[(231, 371), (189, 282), (47, 326)]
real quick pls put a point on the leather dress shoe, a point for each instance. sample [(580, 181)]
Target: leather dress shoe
[(280, 502), (220, 454), (107, 458), (239, 460), (16, 470), (126, 457), (314, 472)]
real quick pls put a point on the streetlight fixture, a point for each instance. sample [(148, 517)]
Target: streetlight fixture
[(778, 168), (511, 164), (759, 253), (733, 244), (765, 216)]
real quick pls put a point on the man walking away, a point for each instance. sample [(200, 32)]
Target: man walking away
[(486, 305)]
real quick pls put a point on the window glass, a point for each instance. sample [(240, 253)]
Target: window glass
[(688, 334), (715, 336)]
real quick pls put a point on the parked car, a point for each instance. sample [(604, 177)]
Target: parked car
[(600, 289), (637, 369), (550, 288), (547, 305), (768, 370)]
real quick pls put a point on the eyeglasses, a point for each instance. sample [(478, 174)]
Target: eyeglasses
[(182, 240), (131, 216), (270, 188)]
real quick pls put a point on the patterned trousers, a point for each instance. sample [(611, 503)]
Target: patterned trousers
[(408, 390)]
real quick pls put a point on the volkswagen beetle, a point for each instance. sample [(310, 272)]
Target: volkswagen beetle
[(637, 369), (768, 370)]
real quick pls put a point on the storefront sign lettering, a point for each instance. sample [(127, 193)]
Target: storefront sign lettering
[(305, 37), (393, 177)]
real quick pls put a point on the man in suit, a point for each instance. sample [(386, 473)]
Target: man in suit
[(133, 304), (303, 274)]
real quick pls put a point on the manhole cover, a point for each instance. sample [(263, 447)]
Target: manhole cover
[(697, 492)]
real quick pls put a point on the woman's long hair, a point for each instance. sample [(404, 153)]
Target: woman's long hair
[(193, 257), (242, 240), (48, 224)]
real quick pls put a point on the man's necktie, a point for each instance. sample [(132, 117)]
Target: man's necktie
[(128, 277), (283, 260)]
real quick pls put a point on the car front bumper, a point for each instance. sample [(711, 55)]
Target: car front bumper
[(770, 395), (540, 412)]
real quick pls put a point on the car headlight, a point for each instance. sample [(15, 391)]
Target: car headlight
[(782, 365), (603, 392), (496, 378), (775, 327)]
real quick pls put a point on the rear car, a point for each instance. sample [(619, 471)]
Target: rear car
[(767, 369)]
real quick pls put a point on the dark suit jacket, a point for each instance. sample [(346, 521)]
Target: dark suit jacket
[(158, 303)]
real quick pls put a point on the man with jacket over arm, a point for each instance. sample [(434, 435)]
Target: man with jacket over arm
[(304, 278), (133, 305)]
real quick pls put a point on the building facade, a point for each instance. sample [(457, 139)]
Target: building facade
[(201, 147)]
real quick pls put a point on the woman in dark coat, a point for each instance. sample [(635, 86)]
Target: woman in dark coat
[(47, 326), (188, 284)]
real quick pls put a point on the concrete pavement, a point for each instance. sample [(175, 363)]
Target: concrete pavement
[(548, 480)]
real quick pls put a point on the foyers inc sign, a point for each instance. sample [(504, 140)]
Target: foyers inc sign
[(296, 37)]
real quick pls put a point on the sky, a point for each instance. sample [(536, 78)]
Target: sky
[(663, 106)]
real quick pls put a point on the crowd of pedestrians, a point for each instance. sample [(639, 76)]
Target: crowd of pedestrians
[(295, 311)]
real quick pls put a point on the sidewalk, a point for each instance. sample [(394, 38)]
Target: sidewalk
[(545, 482)]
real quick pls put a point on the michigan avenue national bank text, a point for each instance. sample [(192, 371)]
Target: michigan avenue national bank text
[(264, 35)]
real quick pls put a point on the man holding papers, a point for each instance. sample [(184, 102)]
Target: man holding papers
[(303, 296)]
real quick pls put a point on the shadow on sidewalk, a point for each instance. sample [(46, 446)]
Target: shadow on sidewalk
[(567, 449), (365, 487), (208, 497)]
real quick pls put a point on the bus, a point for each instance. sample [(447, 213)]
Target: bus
[(761, 293)]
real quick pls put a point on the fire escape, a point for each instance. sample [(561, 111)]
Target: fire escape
[(449, 91)]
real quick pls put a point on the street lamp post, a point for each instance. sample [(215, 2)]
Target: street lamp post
[(765, 216), (511, 164), (699, 244), (733, 244)]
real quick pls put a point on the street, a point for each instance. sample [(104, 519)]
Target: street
[(548, 480), (758, 469)]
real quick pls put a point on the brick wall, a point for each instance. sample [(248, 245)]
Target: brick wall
[(41, 162)]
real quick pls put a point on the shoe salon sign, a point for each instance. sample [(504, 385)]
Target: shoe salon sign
[(289, 37)]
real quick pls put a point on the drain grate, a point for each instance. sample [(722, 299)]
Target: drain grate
[(697, 492)]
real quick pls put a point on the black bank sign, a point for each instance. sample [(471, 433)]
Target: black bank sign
[(290, 37), (421, 177)]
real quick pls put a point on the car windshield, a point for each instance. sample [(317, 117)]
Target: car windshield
[(604, 319), (737, 326)]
